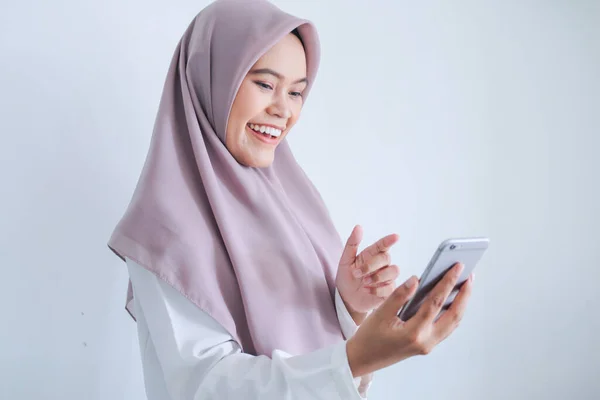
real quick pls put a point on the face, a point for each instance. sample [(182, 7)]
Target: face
[(267, 104)]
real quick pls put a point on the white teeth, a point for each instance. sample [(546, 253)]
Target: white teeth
[(266, 129)]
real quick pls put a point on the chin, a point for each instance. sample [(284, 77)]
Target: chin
[(262, 162)]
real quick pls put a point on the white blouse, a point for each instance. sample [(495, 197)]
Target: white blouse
[(186, 354)]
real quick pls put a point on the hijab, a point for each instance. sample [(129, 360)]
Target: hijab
[(255, 248)]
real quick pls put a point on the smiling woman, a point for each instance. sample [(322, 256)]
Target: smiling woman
[(268, 103), (240, 284)]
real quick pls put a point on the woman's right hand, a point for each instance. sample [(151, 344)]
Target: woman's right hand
[(384, 339)]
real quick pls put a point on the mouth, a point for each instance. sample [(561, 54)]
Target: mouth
[(265, 134)]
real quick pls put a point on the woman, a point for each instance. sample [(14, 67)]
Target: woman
[(240, 285)]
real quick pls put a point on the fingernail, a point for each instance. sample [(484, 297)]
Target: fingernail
[(357, 273), (367, 280), (411, 282), (473, 277)]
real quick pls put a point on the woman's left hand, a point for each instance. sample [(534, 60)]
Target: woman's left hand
[(367, 279)]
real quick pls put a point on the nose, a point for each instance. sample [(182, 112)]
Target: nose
[(280, 107)]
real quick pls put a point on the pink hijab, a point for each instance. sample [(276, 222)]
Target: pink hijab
[(254, 248)]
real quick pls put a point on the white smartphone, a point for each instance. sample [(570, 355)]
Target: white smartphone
[(465, 250)]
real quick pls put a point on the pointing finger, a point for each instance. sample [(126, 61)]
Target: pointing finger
[(351, 248)]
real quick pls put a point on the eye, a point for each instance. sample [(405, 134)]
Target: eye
[(263, 85), (296, 94)]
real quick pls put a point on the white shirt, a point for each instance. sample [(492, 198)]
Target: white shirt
[(186, 354)]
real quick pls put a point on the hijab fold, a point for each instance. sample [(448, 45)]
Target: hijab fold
[(254, 248)]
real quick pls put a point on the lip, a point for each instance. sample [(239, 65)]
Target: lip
[(263, 138)]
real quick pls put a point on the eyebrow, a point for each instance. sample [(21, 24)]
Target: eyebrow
[(275, 74)]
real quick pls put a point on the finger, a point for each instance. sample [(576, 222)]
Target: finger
[(437, 297), (385, 274), (367, 265), (382, 245), (351, 248), (365, 256), (390, 307), (383, 290), (451, 318)]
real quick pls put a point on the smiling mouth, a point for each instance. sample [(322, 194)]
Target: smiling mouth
[(263, 137), (266, 131)]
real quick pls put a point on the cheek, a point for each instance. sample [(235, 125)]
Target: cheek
[(248, 102), (296, 110)]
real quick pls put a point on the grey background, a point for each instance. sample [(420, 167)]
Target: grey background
[(429, 119)]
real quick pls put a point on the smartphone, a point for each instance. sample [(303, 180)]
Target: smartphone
[(464, 250)]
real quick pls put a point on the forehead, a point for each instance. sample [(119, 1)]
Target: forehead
[(286, 57)]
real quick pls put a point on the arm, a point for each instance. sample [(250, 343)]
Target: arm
[(195, 358), (349, 328), (348, 322), (357, 317)]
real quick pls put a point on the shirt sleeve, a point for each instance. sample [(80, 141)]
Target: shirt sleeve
[(349, 328), (195, 357)]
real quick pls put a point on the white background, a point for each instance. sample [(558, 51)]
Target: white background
[(428, 119)]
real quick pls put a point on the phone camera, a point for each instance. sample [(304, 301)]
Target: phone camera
[(452, 247)]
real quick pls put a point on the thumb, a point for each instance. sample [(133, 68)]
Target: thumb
[(398, 298), (351, 248)]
